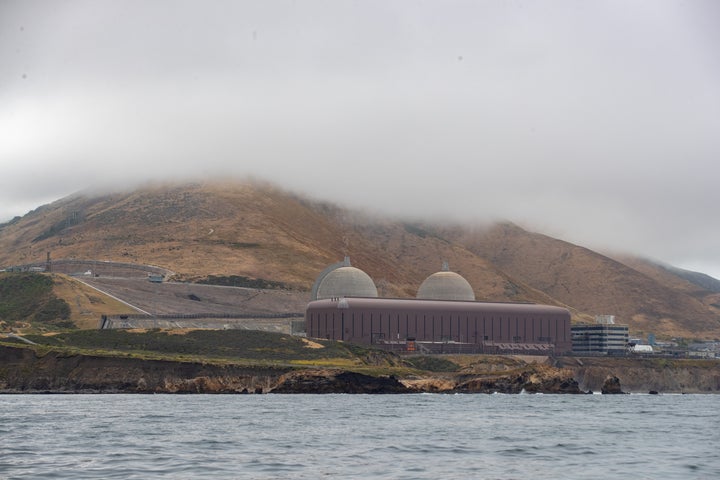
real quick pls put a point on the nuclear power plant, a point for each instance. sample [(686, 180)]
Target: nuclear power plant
[(444, 317)]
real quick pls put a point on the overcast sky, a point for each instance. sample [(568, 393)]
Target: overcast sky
[(595, 122)]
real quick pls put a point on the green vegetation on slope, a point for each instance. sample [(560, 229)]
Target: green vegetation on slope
[(256, 235), (240, 281), (432, 364), (211, 344), (28, 297)]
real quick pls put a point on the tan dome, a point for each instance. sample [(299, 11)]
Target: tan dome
[(346, 282), (446, 285)]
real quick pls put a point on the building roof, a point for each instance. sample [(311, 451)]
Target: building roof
[(438, 306)]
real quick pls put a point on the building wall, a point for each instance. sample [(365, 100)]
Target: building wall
[(374, 321)]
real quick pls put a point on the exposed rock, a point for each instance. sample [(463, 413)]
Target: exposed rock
[(496, 384), (535, 379), (430, 385), (644, 374), (554, 385), (611, 386), (29, 370), (24, 370), (337, 381)]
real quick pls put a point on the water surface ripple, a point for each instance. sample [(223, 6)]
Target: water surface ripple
[(360, 436)]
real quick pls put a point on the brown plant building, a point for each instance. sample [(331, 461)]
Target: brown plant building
[(444, 317)]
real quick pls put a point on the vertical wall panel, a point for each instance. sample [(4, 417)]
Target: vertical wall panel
[(472, 325)]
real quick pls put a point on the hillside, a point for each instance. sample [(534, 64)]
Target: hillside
[(30, 297), (592, 282), (261, 232), (51, 302)]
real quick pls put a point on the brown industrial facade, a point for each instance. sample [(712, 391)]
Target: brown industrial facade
[(381, 321)]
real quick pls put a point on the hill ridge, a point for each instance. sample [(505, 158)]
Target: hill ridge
[(261, 231)]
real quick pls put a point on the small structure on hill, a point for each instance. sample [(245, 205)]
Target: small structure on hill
[(641, 348)]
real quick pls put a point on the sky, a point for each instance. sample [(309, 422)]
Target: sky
[(594, 122)]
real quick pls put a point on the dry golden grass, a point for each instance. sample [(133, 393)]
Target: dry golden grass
[(180, 331), (311, 344), (86, 304), (260, 231)]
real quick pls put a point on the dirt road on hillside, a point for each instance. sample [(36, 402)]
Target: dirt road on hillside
[(190, 298)]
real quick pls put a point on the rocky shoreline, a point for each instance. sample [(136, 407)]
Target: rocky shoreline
[(23, 370)]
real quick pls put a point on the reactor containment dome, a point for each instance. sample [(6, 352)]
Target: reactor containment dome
[(343, 280), (446, 285)]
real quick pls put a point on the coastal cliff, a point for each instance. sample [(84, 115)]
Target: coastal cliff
[(643, 375), (25, 370), (31, 370)]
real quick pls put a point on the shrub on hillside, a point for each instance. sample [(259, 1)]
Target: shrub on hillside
[(22, 293), (240, 281), (28, 296), (432, 364), (53, 311)]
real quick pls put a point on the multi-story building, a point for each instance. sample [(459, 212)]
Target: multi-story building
[(602, 337)]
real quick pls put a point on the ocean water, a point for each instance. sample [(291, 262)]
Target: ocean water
[(360, 436)]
